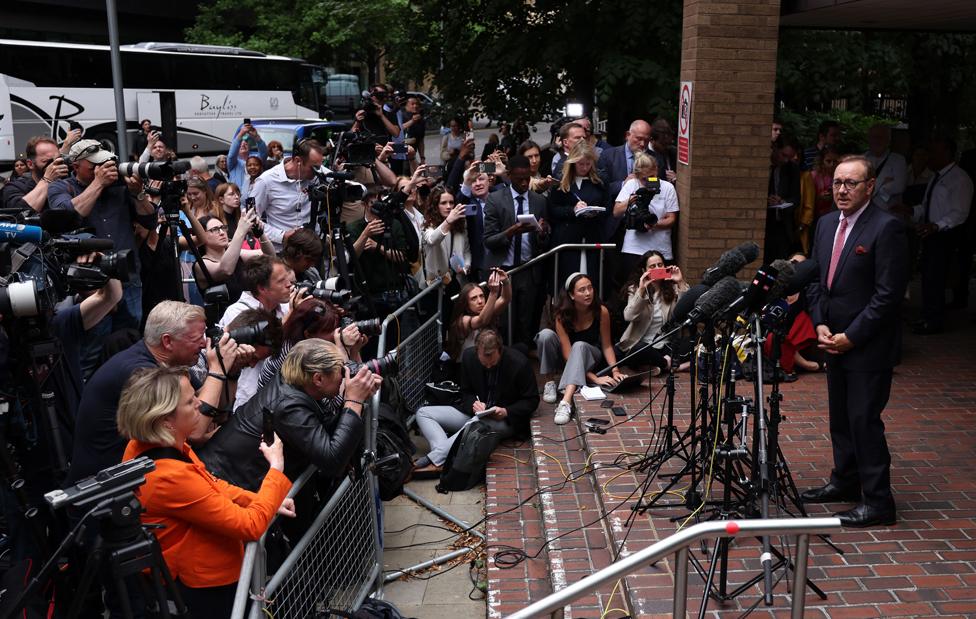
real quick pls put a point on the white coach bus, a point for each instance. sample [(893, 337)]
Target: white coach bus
[(46, 86)]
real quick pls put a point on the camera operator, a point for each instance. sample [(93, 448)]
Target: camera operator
[(267, 284), (664, 207), (373, 118), (281, 193), (109, 205), (46, 166), (204, 522), (312, 433), (174, 335)]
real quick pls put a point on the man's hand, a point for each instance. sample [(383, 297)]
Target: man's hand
[(467, 149), (228, 352), (351, 338), (362, 386), (297, 297), (106, 174), (287, 508), (360, 115), (773, 200), (134, 183), (834, 344), (500, 413), (518, 228), (73, 136), (245, 129), (373, 228), (926, 230), (244, 357), (56, 170)]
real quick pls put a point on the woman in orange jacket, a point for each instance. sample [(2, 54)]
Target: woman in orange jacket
[(206, 520)]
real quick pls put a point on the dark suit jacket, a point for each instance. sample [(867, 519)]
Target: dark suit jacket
[(499, 216), (612, 167), (868, 288), (515, 387), (566, 226), (475, 225)]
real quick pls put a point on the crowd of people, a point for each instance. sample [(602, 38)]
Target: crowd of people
[(152, 366)]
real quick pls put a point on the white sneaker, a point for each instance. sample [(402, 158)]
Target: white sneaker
[(549, 393), (563, 412)]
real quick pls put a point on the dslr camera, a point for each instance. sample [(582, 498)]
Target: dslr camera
[(384, 366), (639, 215)]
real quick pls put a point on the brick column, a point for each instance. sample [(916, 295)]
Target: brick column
[(728, 50)]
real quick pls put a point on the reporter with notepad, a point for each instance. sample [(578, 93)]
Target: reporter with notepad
[(571, 218), (582, 340)]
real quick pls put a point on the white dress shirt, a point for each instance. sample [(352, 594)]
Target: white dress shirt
[(851, 220), (950, 195), (891, 178), (282, 202), (526, 237)]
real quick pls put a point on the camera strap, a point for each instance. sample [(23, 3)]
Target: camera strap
[(166, 453)]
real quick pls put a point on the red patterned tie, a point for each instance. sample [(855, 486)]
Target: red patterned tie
[(838, 250)]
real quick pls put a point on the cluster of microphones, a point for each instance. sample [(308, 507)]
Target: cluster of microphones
[(721, 297)]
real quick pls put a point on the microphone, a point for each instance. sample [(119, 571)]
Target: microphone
[(805, 273), (786, 271), (84, 245), (724, 291), (19, 233), (755, 295), (685, 304), (731, 262)]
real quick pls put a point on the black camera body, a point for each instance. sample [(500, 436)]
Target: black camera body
[(639, 215), (371, 327), (384, 366), (390, 206)]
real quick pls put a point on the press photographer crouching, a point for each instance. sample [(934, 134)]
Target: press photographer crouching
[(174, 336), (204, 521), (291, 406)]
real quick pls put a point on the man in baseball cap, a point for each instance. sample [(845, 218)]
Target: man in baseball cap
[(90, 150)]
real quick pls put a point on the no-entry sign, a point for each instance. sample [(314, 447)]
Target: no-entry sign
[(684, 123)]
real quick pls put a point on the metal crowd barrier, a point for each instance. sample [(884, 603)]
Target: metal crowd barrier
[(678, 544)]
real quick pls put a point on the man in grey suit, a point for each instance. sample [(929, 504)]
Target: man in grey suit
[(509, 244)]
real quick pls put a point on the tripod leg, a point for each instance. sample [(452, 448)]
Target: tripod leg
[(707, 593), (87, 577)]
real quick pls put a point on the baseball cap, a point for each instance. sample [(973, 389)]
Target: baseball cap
[(91, 150)]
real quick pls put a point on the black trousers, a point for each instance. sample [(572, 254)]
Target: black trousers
[(936, 251), (861, 457), (528, 296), (208, 602)]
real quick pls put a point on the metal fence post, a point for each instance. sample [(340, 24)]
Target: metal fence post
[(800, 576), (681, 581)]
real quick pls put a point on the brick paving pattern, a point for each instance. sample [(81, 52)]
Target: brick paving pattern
[(923, 566)]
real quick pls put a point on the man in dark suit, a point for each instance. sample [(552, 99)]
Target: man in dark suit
[(662, 140), (473, 194), (862, 255), (509, 244), (491, 375), (783, 201)]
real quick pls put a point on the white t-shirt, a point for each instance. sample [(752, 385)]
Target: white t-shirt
[(664, 202)]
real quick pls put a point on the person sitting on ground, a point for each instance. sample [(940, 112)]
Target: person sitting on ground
[(798, 339), (491, 376), (473, 311), (581, 340), (202, 521), (224, 258), (649, 304)]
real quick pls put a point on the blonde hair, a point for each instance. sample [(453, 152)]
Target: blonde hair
[(173, 317), (308, 357), (581, 151), (644, 161), (149, 396)]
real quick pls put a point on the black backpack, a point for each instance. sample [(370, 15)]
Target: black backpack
[(392, 438), (466, 462)]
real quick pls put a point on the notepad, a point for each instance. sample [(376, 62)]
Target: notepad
[(592, 393), (782, 206), (529, 219), (590, 210), (486, 412)]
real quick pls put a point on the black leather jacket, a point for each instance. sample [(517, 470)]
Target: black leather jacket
[(309, 433)]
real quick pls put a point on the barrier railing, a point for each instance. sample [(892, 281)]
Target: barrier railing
[(678, 544)]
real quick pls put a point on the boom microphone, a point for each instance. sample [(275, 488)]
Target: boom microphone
[(19, 233), (723, 292), (786, 270), (755, 295), (84, 245), (805, 273), (727, 264)]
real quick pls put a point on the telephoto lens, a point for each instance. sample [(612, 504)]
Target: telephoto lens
[(251, 334), (372, 327), (383, 366), (332, 296)]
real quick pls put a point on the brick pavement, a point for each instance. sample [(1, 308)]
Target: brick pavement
[(923, 566)]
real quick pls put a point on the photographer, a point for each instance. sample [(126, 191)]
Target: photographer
[(303, 254), (174, 336), (45, 166), (373, 119), (414, 125), (203, 522), (663, 206), (312, 434), (281, 194), (225, 259), (110, 205), (267, 284), (237, 157)]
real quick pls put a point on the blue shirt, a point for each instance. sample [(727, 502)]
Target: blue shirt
[(112, 214)]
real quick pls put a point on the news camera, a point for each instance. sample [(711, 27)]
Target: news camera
[(639, 215)]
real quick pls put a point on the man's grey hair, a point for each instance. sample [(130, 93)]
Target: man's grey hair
[(173, 317), (199, 165)]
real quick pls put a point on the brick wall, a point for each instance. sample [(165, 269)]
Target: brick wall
[(729, 53)]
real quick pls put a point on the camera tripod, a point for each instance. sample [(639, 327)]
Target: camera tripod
[(123, 549)]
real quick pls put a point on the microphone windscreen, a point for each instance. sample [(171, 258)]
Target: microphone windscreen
[(686, 302), (785, 270), (805, 273), (60, 221), (728, 263), (724, 292), (749, 251)]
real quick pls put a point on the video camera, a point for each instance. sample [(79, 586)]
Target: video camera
[(638, 215), (358, 148), (390, 206)]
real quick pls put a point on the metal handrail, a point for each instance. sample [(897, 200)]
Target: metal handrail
[(252, 554), (679, 544)]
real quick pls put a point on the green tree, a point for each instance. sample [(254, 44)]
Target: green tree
[(324, 32)]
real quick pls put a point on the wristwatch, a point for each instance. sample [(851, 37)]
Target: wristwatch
[(142, 195)]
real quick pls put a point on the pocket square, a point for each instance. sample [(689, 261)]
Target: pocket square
[(860, 250)]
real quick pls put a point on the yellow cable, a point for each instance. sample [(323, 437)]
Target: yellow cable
[(512, 458), (613, 592)]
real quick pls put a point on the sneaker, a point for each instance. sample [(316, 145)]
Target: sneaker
[(563, 412), (549, 393)]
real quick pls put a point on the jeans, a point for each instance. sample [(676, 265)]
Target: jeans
[(436, 421)]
